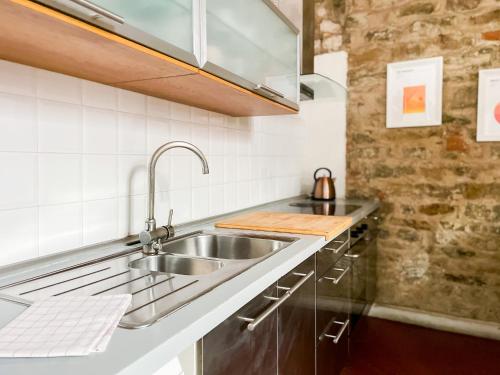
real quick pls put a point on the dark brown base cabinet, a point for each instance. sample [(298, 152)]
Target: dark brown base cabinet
[(280, 343), (300, 325)]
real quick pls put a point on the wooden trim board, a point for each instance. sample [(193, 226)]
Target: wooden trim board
[(319, 225), (200, 90), (35, 35)]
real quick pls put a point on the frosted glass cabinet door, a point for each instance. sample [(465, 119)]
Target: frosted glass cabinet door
[(168, 20), (169, 26), (250, 44)]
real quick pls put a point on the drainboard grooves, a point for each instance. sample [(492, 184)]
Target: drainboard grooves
[(153, 285), (130, 253), (92, 283), (64, 281), (161, 297), (121, 284)]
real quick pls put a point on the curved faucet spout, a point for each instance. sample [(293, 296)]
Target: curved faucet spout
[(151, 237), (152, 165)]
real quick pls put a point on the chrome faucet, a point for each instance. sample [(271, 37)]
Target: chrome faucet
[(151, 236)]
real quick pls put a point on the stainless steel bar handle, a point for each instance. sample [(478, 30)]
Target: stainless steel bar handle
[(355, 255), (337, 279), (99, 10), (336, 338), (338, 249), (270, 90), (253, 323)]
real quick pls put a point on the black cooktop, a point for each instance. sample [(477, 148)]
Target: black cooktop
[(328, 208)]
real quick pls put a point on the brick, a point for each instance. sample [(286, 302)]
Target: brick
[(458, 252), (408, 235), (459, 120), (381, 35), (382, 171), (464, 97), (462, 279), (330, 27), (417, 8), (462, 4), (436, 209), (456, 142)]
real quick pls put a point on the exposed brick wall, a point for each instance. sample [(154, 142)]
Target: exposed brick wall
[(440, 239)]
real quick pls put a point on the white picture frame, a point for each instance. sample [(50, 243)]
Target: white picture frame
[(488, 106), (415, 93)]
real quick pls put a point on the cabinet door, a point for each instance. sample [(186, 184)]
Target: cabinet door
[(231, 348), (169, 26), (332, 356), (333, 309), (359, 301), (296, 323), (250, 43)]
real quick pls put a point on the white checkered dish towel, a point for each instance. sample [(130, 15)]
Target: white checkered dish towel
[(64, 326)]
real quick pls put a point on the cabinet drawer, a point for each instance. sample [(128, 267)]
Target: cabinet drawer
[(333, 348), (333, 293), (331, 252), (333, 309)]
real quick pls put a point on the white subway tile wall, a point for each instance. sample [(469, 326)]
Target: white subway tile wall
[(74, 153)]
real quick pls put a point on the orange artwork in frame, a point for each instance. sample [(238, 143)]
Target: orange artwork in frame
[(414, 99)]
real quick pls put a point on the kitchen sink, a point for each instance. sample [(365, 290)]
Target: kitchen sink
[(177, 265), (188, 267), (224, 246)]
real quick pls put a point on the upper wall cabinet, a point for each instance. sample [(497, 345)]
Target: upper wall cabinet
[(251, 43), (237, 57), (247, 42), (168, 26)]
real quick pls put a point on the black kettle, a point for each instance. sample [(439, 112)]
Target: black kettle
[(324, 187)]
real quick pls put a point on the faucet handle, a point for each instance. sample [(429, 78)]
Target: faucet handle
[(170, 215)]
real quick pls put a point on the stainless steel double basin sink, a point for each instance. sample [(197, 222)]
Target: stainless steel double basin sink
[(215, 247), (187, 268)]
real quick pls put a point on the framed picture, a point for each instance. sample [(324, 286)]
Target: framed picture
[(414, 93), (488, 106)]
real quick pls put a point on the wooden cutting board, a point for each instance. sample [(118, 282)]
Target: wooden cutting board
[(319, 225)]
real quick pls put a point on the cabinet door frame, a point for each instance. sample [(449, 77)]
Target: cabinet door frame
[(238, 80), (300, 306), (130, 32)]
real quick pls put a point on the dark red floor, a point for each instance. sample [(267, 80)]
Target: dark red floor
[(382, 347)]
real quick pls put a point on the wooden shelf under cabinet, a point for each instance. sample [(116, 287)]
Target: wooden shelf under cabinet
[(35, 35)]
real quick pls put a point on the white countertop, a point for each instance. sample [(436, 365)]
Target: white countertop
[(146, 350)]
